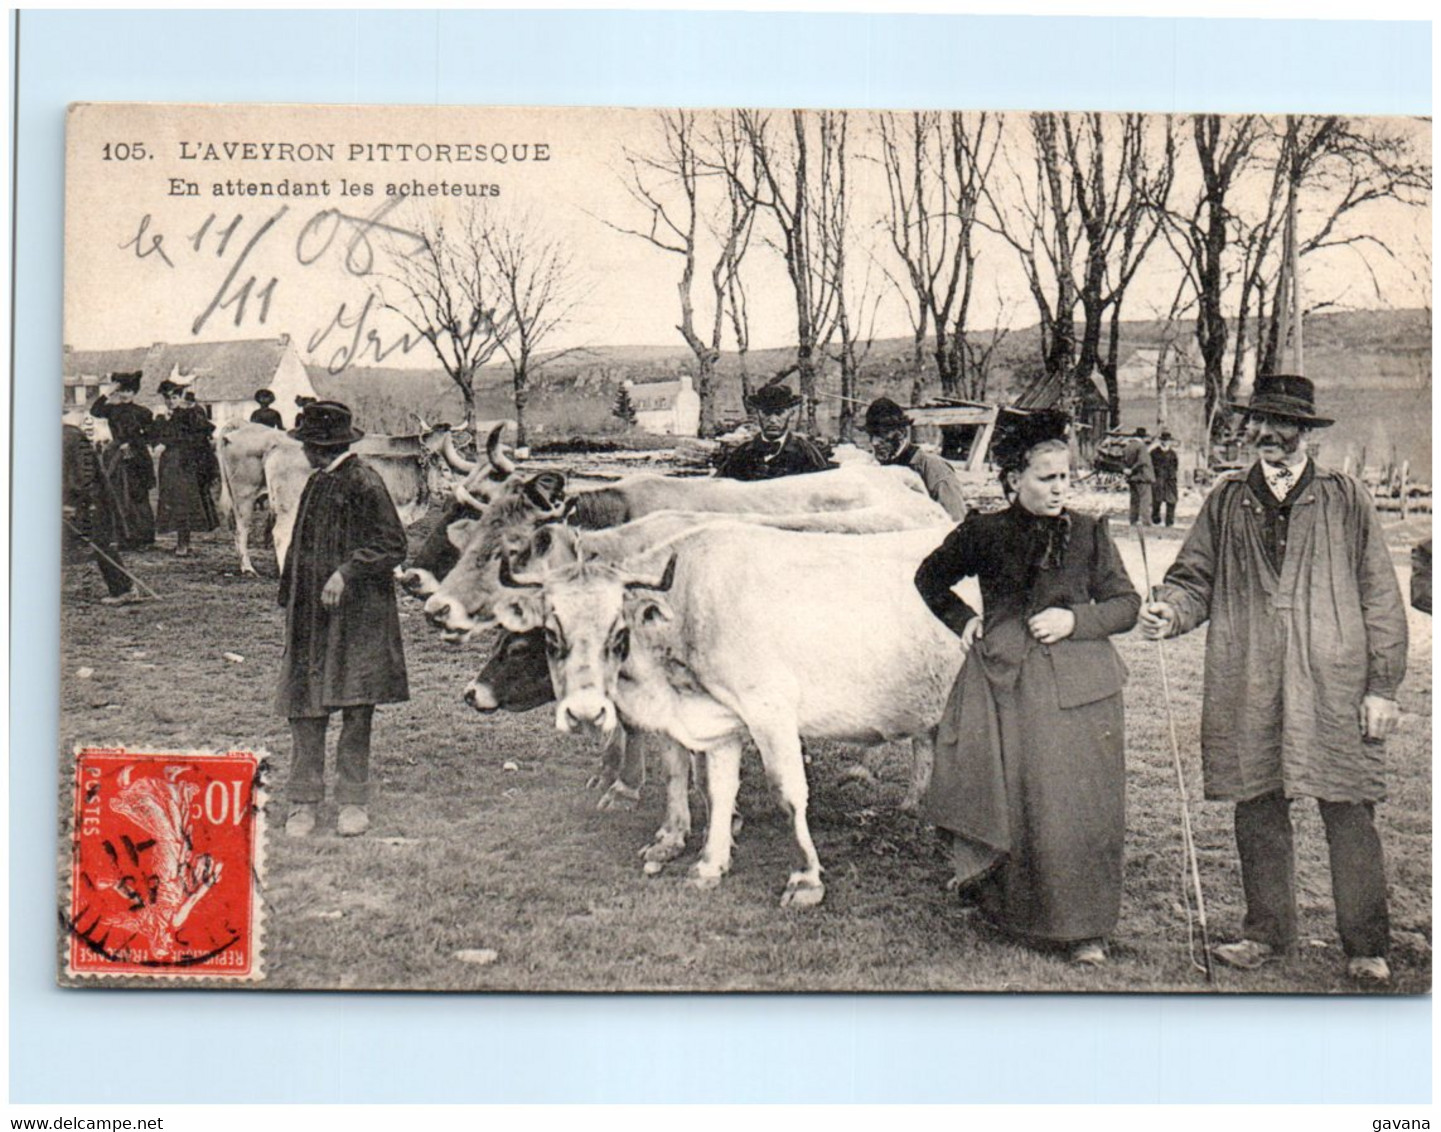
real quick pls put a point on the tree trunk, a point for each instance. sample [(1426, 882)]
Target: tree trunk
[(522, 395), (705, 387)]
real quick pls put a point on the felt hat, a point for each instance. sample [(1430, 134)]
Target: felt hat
[(326, 424), (772, 399), (264, 397), (1285, 395), (1165, 435), (1018, 433), (127, 382), (168, 388), (883, 414)]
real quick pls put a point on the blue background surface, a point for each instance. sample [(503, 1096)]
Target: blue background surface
[(347, 1047)]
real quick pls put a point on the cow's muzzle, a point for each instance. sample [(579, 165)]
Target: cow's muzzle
[(417, 582), (588, 710), (481, 696)]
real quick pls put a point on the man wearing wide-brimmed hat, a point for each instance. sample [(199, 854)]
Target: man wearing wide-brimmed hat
[(893, 442), (775, 450), (343, 649), (126, 460), (1307, 647)]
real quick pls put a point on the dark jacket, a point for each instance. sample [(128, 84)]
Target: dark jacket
[(1290, 654), (131, 429), (268, 417), (1165, 463), (352, 654), (1005, 551), (759, 459)]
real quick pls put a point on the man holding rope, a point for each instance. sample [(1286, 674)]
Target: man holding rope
[(1307, 647)]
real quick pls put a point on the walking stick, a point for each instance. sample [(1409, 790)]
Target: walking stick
[(1186, 839), (83, 538)]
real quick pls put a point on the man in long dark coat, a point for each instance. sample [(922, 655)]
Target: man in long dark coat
[(126, 460), (88, 507), (1164, 493), (1289, 563), (343, 650), (776, 449), (1140, 476)]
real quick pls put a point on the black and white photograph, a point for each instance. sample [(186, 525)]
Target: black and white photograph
[(737, 550)]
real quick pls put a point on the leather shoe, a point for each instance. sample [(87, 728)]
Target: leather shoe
[(1245, 954)]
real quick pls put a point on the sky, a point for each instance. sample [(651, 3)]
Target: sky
[(145, 262)]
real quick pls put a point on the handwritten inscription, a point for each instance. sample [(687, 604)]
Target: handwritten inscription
[(352, 241)]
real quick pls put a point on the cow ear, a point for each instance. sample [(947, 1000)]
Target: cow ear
[(547, 490), (459, 532), (520, 613)]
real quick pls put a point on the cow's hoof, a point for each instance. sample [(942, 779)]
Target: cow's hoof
[(249, 572), (803, 894), (659, 852), (619, 796), (653, 868)]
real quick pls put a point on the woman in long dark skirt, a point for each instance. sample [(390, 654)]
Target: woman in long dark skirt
[(185, 501), (126, 459), (1030, 757)]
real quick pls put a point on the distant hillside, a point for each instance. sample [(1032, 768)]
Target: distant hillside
[(1351, 349)]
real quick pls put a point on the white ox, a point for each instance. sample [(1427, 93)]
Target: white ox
[(853, 500), (256, 459), (748, 630)]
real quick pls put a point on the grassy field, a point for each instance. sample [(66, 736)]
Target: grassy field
[(465, 854)]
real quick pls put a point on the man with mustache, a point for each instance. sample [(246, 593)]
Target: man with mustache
[(1307, 647), (775, 450)]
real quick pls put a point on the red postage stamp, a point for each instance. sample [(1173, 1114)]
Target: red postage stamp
[(166, 862)]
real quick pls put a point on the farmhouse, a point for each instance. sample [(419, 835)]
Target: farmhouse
[(223, 375), (667, 408)]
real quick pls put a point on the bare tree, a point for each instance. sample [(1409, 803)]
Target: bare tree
[(539, 295), (447, 288), (667, 182), (794, 187), (935, 168)]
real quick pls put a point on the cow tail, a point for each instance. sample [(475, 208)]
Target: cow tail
[(227, 502)]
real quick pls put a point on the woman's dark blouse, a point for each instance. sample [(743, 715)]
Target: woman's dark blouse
[(1006, 552)]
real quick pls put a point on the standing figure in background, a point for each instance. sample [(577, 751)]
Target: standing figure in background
[(775, 450), (893, 442), (343, 649), (1030, 776), (126, 461), (1165, 463), (90, 513), (185, 501), (265, 415), (1307, 647), (1140, 475)]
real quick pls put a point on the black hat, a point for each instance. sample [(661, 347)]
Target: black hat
[(1285, 395), (1165, 435), (264, 396), (772, 399), (883, 414), (326, 424), (1017, 433), (1140, 430), (127, 382), (168, 388)]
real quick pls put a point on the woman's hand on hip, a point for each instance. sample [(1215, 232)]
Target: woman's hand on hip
[(1052, 625)]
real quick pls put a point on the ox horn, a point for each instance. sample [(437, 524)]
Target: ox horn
[(662, 586), (510, 581), (493, 452), (453, 456)]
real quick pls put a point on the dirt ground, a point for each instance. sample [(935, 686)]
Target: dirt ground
[(484, 837)]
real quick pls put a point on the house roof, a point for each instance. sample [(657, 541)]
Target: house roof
[(220, 371), (1045, 393)]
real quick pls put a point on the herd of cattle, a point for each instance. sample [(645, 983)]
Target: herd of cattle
[(675, 614)]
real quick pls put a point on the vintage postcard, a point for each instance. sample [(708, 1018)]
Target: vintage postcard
[(625, 549)]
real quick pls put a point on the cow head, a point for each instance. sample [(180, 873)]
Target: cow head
[(504, 525), (590, 615), (515, 678)]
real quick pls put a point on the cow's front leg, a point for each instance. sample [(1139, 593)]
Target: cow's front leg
[(723, 780), (923, 760), (669, 841), (780, 748), (622, 771)]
